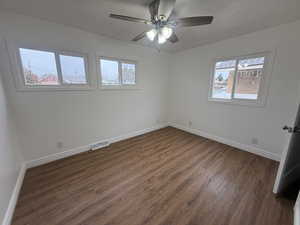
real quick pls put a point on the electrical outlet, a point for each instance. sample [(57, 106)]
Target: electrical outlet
[(254, 141), (59, 145)]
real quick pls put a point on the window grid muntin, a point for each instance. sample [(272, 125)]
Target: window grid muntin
[(263, 86), (120, 62), (61, 85)]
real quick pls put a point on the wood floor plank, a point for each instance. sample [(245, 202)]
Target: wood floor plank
[(163, 177)]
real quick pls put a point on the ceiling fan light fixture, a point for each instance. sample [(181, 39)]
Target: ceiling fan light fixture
[(161, 39), (162, 23), (151, 34), (167, 32)]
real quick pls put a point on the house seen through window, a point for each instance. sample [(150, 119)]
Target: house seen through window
[(238, 79), (39, 67), (50, 68)]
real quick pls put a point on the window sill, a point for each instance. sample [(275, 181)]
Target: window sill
[(251, 103), (54, 88), (118, 88)]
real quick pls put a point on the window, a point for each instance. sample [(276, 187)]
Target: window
[(110, 72), (117, 73), (39, 67), (52, 69), (72, 69), (248, 78), (240, 79), (128, 73), (222, 85)]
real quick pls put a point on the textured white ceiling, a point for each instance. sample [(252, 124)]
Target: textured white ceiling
[(232, 17)]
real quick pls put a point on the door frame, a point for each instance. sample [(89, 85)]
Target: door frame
[(282, 165), (285, 153)]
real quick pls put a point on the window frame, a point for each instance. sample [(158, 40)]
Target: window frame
[(263, 86), (19, 72), (74, 54), (121, 85)]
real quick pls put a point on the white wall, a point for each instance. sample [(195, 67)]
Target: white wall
[(173, 88), (79, 118), (190, 85), (83, 117), (10, 159)]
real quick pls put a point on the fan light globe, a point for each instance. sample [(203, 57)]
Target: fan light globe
[(151, 34), (166, 32), (161, 38)]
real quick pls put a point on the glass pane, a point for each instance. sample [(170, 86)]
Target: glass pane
[(223, 79), (39, 67), (73, 69), (109, 72), (128, 73), (248, 78)]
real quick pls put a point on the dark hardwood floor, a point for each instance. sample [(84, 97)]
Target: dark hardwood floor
[(166, 177)]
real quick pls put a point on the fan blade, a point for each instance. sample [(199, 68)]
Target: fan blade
[(140, 36), (166, 7), (161, 8), (153, 9), (129, 18), (173, 38), (194, 21)]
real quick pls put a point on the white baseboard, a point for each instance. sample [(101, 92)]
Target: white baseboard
[(56, 156), (137, 133), (60, 155), (14, 197), (232, 143)]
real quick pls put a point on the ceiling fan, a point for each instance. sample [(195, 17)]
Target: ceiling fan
[(163, 23)]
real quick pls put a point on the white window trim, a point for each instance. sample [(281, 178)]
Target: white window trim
[(17, 70), (264, 84), (119, 86)]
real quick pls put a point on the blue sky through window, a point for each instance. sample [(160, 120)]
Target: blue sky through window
[(73, 70), (109, 72), (40, 68), (40, 63)]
